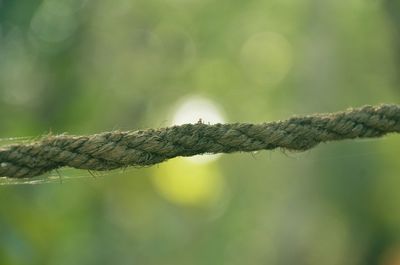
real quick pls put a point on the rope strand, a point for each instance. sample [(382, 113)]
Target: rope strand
[(111, 150)]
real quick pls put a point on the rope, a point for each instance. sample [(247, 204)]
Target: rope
[(116, 149)]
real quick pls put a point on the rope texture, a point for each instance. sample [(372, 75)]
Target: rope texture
[(111, 150)]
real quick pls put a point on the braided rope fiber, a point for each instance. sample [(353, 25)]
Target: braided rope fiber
[(116, 149)]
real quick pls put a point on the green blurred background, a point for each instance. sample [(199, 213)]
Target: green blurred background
[(88, 66)]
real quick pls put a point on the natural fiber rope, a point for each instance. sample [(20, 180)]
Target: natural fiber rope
[(111, 150)]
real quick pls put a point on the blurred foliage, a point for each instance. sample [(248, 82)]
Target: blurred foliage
[(84, 66)]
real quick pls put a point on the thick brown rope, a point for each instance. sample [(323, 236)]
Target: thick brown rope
[(111, 150)]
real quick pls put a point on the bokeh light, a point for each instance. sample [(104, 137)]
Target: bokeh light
[(54, 21), (190, 184), (196, 180), (266, 58), (194, 109)]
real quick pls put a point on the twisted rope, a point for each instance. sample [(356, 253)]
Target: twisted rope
[(111, 150)]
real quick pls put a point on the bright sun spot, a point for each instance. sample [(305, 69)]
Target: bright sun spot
[(198, 109), (192, 109), (192, 181)]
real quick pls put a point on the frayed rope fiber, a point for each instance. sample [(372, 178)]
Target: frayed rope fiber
[(112, 150)]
